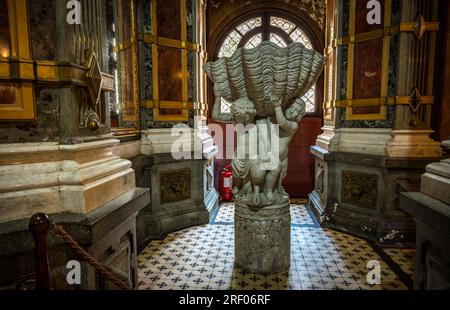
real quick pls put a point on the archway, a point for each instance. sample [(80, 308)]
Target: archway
[(282, 26)]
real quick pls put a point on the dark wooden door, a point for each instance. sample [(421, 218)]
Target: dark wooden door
[(300, 178)]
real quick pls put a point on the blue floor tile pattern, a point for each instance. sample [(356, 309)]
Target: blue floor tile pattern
[(202, 258)]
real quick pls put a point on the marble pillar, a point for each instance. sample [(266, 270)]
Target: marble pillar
[(66, 162), (369, 154)]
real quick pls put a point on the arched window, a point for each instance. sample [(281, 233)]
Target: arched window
[(279, 30)]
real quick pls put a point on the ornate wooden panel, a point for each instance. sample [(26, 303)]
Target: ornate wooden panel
[(359, 189), (175, 185)]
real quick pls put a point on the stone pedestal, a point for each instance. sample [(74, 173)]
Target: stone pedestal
[(436, 181), (108, 233), (359, 193), (182, 189), (432, 216), (263, 238)]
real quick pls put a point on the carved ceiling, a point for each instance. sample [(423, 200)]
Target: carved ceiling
[(314, 8)]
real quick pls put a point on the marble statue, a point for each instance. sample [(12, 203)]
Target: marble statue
[(264, 86)]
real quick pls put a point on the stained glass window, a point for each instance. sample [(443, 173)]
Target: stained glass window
[(309, 98), (254, 41), (225, 106), (249, 25), (230, 44), (251, 33), (277, 40), (299, 36), (282, 23)]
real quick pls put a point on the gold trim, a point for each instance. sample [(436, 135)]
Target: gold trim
[(124, 132), (351, 50), (155, 60), (154, 104), (172, 118), (350, 116), (386, 51), (418, 27), (382, 101), (150, 39), (21, 67), (385, 34)]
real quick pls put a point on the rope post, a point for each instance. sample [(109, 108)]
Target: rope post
[(39, 226)]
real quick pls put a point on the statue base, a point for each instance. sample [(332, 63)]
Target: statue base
[(263, 238)]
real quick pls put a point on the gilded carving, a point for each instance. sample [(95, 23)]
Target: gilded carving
[(359, 189), (314, 8), (175, 185)]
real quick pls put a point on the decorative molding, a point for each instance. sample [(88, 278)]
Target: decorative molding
[(413, 143), (419, 27), (53, 178), (50, 72)]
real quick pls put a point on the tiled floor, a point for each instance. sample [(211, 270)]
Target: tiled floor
[(405, 258), (300, 215), (202, 258)]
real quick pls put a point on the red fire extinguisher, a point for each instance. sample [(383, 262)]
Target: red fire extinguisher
[(226, 183)]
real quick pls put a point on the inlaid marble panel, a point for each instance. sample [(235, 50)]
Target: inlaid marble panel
[(7, 93), (167, 112), (359, 189), (126, 82), (147, 16), (125, 26), (367, 71), (169, 19), (175, 185), (192, 75), (147, 72), (43, 29), (170, 74), (191, 20)]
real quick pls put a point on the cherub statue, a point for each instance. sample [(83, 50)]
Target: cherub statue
[(247, 169), (288, 122)]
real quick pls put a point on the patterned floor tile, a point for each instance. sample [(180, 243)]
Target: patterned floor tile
[(202, 258), (405, 258)]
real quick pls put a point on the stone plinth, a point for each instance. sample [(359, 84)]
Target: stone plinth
[(263, 238), (436, 181)]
